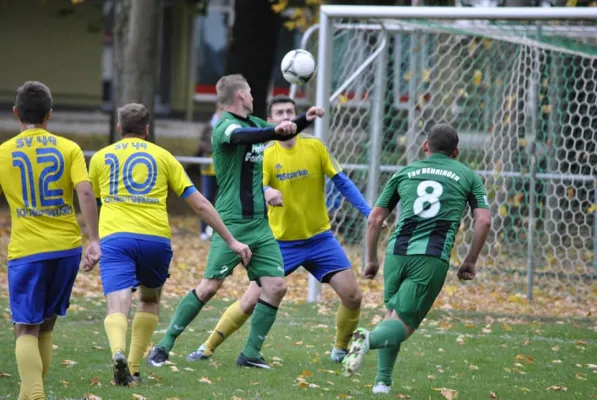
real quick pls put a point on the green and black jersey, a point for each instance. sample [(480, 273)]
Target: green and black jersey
[(433, 194), (238, 145)]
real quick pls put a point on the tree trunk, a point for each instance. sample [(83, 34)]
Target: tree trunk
[(136, 54), (252, 48)]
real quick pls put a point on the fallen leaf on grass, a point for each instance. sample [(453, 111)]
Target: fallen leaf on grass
[(525, 389), (557, 388), (69, 363), (431, 377), (173, 398), (174, 368), (492, 396), (556, 361), (306, 373), (90, 396), (449, 394), (5, 375), (254, 383), (188, 369), (98, 348), (473, 366), (236, 398), (139, 397), (403, 396), (460, 339), (65, 383), (556, 348), (205, 379), (592, 366), (95, 381), (580, 377)]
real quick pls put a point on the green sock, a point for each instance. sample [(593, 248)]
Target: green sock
[(386, 358), (187, 310), (388, 333), (262, 321)]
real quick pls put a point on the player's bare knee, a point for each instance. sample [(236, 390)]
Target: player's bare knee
[(21, 329), (352, 298), (250, 299), (207, 289), (276, 288), (48, 324)]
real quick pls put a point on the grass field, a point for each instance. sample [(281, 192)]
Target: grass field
[(473, 355)]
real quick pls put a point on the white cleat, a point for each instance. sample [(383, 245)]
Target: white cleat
[(381, 388), (358, 349)]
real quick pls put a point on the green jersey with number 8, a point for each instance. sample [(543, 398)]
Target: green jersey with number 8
[(433, 194)]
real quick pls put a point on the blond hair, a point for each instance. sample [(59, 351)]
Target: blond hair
[(228, 86), (133, 118)]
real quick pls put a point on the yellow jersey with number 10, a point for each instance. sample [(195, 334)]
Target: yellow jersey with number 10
[(299, 173), (38, 173), (131, 179)]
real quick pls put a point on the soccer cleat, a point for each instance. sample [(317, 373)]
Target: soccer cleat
[(157, 357), (122, 375), (137, 378), (358, 349), (244, 361), (338, 354), (381, 388), (202, 353)]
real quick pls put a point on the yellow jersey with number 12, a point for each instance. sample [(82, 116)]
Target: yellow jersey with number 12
[(38, 173), (299, 173), (131, 179)]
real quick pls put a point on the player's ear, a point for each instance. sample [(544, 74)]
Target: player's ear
[(426, 146), (15, 112), (49, 115), (146, 130), (118, 128), (456, 152)]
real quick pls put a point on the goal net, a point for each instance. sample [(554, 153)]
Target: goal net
[(522, 94)]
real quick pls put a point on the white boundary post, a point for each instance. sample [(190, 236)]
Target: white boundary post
[(324, 84)]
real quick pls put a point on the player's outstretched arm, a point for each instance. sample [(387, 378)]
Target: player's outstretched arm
[(88, 205), (374, 226), (350, 191), (482, 218), (249, 135), (208, 213)]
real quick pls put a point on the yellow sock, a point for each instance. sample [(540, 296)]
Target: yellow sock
[(116, 325), (30, 367), (45, 350), (347, 321), (232, 319), (142, 329)]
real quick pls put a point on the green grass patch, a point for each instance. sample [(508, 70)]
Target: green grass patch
[(472, 354)]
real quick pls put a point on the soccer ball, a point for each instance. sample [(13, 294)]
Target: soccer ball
[(298, 66)]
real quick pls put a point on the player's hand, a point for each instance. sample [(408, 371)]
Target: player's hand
[(315, 112), (242, 250), (286, 128), (92, 255), (273, 197), (370, 270), (467, 271)]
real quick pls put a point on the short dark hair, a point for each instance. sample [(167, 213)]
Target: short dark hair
[(279, 99), (133, 118), (227, 86), (443, 138), (33, 101)]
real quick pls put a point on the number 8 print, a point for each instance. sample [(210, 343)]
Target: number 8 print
[(425, 197), (133, 187)]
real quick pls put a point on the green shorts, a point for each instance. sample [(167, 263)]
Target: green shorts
[(411, 284), (257, 234)]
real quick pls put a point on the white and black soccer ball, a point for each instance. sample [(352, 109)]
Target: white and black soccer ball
[(298, 66)]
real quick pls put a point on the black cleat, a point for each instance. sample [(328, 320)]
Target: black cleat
[(244, 361), (157, 357), (122, 375)]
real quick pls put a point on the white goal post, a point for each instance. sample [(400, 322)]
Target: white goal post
[(520, 85)]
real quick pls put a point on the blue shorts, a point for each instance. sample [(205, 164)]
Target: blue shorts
[(129, 261), (321, 255), (41, 289)]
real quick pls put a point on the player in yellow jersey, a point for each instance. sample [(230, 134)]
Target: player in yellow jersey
[(39, 173), (131, 178), (294, 175)]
